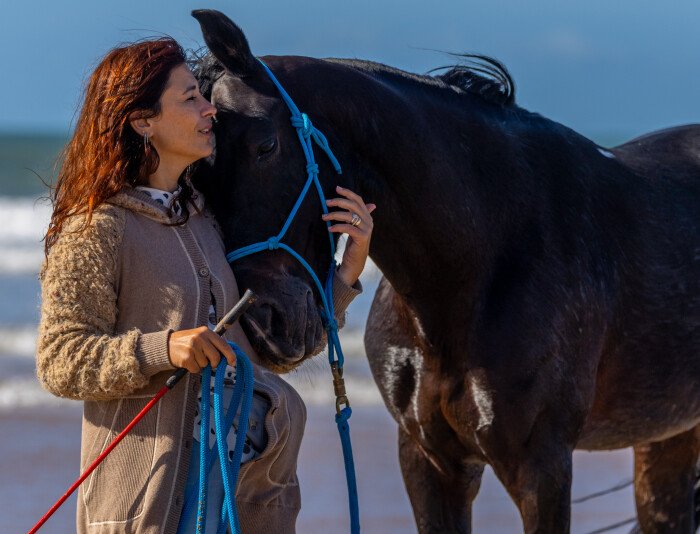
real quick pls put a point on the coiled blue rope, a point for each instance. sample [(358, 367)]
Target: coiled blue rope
[(242, 396), (307, 133)]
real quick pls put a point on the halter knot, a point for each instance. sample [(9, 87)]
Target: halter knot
[(312, 168), (273, 243), (304, 123), (332, 324)]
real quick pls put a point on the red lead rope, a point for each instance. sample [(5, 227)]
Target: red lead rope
[(99, 459)]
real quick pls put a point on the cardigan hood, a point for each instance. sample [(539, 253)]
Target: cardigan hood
[(137, 201)]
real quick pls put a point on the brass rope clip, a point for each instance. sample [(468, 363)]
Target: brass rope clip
[(339, 388)]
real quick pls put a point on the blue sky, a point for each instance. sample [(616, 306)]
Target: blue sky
[(603, 68)]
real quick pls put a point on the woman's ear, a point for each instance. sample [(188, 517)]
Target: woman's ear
[(139, 123)]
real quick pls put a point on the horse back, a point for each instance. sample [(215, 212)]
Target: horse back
[(672, 153)]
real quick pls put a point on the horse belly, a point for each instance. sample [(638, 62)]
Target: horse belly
[(641, 400)]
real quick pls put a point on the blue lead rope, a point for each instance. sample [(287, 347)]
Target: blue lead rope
[(242, 394), (308, 134)]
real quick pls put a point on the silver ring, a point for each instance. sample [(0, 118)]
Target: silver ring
[(356, 221)]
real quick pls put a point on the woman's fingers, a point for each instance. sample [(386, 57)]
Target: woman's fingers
[(196, 348), (349, 205), (343, 216), (354, 205), (352, 231), (361, 231), (347, 193), (221, 347), (366, 222), (211, 353), (200, 356), (191, 365), (352, 197), (347, 216), (357, 247)]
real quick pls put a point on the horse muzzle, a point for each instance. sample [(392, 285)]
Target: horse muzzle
[(284, 325)]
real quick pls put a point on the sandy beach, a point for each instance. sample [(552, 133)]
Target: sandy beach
[(39, 453)]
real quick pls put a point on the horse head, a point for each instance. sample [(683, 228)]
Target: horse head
[(252, 184)]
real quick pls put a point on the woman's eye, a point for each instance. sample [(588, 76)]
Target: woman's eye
[(267, 147), (192, 98)]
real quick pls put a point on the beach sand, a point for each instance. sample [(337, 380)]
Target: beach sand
[(39, 456)]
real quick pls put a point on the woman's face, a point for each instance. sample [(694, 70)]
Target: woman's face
[(182, 132)]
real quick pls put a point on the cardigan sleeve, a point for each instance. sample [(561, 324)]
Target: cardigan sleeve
[(79, 355), (343, 295)]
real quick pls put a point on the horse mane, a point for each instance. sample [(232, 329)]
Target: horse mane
[(481, 75), (477, 74)]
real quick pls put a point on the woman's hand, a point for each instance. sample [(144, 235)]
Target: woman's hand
[(359, 233), (194, 349)]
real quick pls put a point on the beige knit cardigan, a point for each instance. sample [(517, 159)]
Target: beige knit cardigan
[(111, 296)]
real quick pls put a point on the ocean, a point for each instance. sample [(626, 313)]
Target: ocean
[(39, 443), (23, 221)]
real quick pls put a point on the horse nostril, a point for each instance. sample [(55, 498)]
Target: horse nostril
[(271, 320), (313, 331)]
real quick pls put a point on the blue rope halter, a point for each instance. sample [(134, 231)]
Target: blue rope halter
[(308, 133)]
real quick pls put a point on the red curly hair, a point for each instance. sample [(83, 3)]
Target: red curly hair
[(105, 153)]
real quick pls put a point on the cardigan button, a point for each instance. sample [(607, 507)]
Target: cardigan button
[(204, 272)]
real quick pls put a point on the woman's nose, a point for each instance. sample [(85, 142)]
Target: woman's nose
[(209, 110)]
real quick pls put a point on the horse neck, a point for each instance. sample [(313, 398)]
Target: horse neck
[(418, 158)]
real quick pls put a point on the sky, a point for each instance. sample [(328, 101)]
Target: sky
[(604, 68)]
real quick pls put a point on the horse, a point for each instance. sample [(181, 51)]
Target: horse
[(540, 293)]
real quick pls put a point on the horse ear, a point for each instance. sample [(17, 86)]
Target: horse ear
[(226, 42)]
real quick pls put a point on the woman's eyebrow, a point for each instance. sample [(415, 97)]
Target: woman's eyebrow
[(190, 88)]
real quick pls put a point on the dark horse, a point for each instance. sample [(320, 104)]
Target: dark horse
[(541, 294)]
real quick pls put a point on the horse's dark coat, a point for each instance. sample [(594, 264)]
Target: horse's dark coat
[(541, 294)]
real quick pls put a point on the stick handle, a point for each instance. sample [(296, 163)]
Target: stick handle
[(231, 317), (236, 312)]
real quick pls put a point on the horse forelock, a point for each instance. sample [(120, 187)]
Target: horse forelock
[(207, 69)]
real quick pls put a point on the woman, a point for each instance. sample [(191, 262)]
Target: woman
[(135, 270)]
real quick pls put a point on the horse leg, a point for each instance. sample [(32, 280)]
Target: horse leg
[(664, 480), (441, 497), (537, 475), (440, 478)]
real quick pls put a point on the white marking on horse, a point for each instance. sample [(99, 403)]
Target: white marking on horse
[(397, 353), (482, 400), (418, 326), (271, 344), (606, 153)]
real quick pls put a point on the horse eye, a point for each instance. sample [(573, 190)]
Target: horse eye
[(267, 147)]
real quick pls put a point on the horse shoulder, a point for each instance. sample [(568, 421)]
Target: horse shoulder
[(397, 352)]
